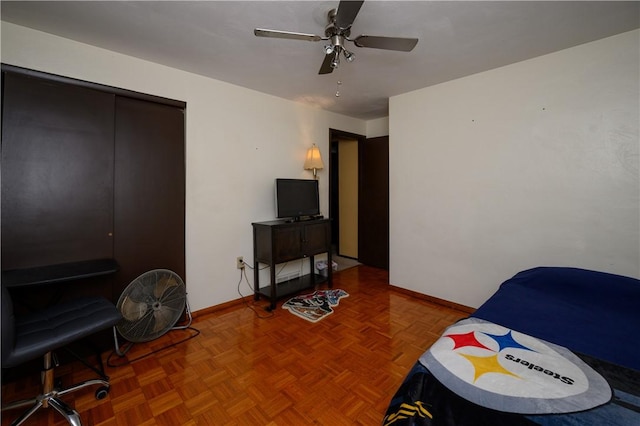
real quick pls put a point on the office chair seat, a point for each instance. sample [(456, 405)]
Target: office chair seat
[(39, 333)]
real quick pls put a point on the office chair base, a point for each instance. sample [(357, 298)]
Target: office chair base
[(72, 416), (51, 400)]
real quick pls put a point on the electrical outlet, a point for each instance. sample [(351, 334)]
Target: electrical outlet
[(240, 262)]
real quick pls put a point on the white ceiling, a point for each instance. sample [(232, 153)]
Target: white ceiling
[(215, 39)]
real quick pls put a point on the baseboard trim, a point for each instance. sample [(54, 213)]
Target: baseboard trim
[(436, 300), (411, 293), (222, 306)]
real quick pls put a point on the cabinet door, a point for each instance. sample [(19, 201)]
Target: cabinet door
[(287, 243), (57, 172), (149, 189), (316, 238)]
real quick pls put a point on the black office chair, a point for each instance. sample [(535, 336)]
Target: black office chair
[(39, 333)]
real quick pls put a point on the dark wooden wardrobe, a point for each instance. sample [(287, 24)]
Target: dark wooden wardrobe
[(91, 176)]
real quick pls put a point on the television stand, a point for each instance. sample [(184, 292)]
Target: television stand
[(303, 218), (279, 241)]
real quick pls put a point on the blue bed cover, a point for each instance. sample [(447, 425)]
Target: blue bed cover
[(592, 313)]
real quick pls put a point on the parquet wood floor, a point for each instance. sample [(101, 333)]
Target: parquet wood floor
[(280, 370)]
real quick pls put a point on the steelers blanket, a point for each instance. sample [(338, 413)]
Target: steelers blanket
[(482, 374), (502, 369)]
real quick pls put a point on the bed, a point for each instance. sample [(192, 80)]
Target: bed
[(553, 346)]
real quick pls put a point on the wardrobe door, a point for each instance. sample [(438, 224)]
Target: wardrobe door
[(149, 189), (57, 172)]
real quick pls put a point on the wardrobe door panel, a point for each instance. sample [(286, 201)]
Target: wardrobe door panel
[(57, 173), (149, 189)]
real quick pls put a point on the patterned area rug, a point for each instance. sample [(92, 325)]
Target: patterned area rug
[(315, 306)]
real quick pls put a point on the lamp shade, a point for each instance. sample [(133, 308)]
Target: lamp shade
[(314, 159)]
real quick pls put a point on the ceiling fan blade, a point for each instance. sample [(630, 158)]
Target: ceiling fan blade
[(326, 67), (347, 12), (388, 43), (286, 34)]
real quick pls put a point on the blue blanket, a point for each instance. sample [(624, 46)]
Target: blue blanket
[(592, 313)]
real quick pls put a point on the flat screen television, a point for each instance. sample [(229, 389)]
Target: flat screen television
[(297, 198)]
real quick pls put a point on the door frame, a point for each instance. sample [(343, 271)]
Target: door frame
[(334, 137)]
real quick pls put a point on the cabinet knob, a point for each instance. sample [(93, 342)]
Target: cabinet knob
[(110, 234)]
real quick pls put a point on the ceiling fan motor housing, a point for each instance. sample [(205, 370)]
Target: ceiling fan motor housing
[(337, 31)]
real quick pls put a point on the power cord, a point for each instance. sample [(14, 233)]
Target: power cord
[(243, 273), (267, 267), (195, 333)]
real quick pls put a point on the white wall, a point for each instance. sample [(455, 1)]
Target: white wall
[(378, 127), (237, 142), (531, 164)]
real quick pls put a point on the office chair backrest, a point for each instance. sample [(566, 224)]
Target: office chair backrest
[(8, 325)]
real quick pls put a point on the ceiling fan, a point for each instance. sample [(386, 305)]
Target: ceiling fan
[(337, 32)]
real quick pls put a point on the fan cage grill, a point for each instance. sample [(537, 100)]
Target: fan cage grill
[(151, 305)]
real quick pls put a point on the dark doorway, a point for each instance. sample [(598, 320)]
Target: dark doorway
[(334, 191), (372, 225)]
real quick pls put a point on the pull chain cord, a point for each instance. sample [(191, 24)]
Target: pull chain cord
[(338, 88)]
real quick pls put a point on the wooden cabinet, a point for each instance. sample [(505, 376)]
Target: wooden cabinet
[(57, 173), (149, 207), (91, 176), (277, 242)]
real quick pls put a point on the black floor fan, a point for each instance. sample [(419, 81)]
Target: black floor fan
[(151, 305)]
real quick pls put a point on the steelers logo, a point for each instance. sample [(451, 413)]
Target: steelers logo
[(505, 370)]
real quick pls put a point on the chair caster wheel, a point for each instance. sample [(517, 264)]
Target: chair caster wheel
[(102, 392)]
